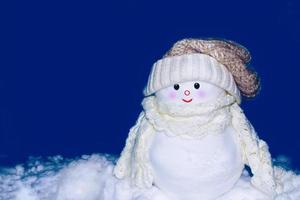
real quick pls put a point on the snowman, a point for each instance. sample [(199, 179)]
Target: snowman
[(192, 139)]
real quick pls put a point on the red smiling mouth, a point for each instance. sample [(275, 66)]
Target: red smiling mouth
[(187, 101)]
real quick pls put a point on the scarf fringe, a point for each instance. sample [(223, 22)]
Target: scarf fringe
[(134, 161), (255, 153)]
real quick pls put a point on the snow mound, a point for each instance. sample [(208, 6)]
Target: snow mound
[(90, 178)]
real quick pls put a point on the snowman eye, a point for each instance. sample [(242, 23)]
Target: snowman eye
[(196, 85), (176, 86)]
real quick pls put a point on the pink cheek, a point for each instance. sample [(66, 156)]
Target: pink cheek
[(172, 95), (201, 94)]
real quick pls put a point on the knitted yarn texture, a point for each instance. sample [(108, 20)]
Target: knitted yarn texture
[(234, 56), (182, 120), (189, 67), (134, 160)]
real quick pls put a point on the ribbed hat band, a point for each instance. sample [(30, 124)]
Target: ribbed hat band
[(190, 67)]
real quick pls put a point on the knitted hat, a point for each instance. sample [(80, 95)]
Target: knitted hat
[(218, 62)]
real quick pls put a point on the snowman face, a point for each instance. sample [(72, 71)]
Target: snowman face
[(189, 93)]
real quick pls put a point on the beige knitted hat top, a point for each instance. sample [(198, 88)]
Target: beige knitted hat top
[(220, 62)]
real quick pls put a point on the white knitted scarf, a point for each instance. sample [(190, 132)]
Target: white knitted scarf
[(205, 119), (189, 121)]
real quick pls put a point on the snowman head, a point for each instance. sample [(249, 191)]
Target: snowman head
[(190, 76), (216, 65), (189, 93)]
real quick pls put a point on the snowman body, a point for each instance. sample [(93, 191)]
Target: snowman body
[(193, 169)]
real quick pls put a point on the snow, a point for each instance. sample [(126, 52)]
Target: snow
[(90, 178), (184, 177)]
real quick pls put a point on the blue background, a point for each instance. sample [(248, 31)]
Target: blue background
[(75, 70)]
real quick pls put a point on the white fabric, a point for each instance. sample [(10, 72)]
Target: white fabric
[(183, 121), (189, 67)]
